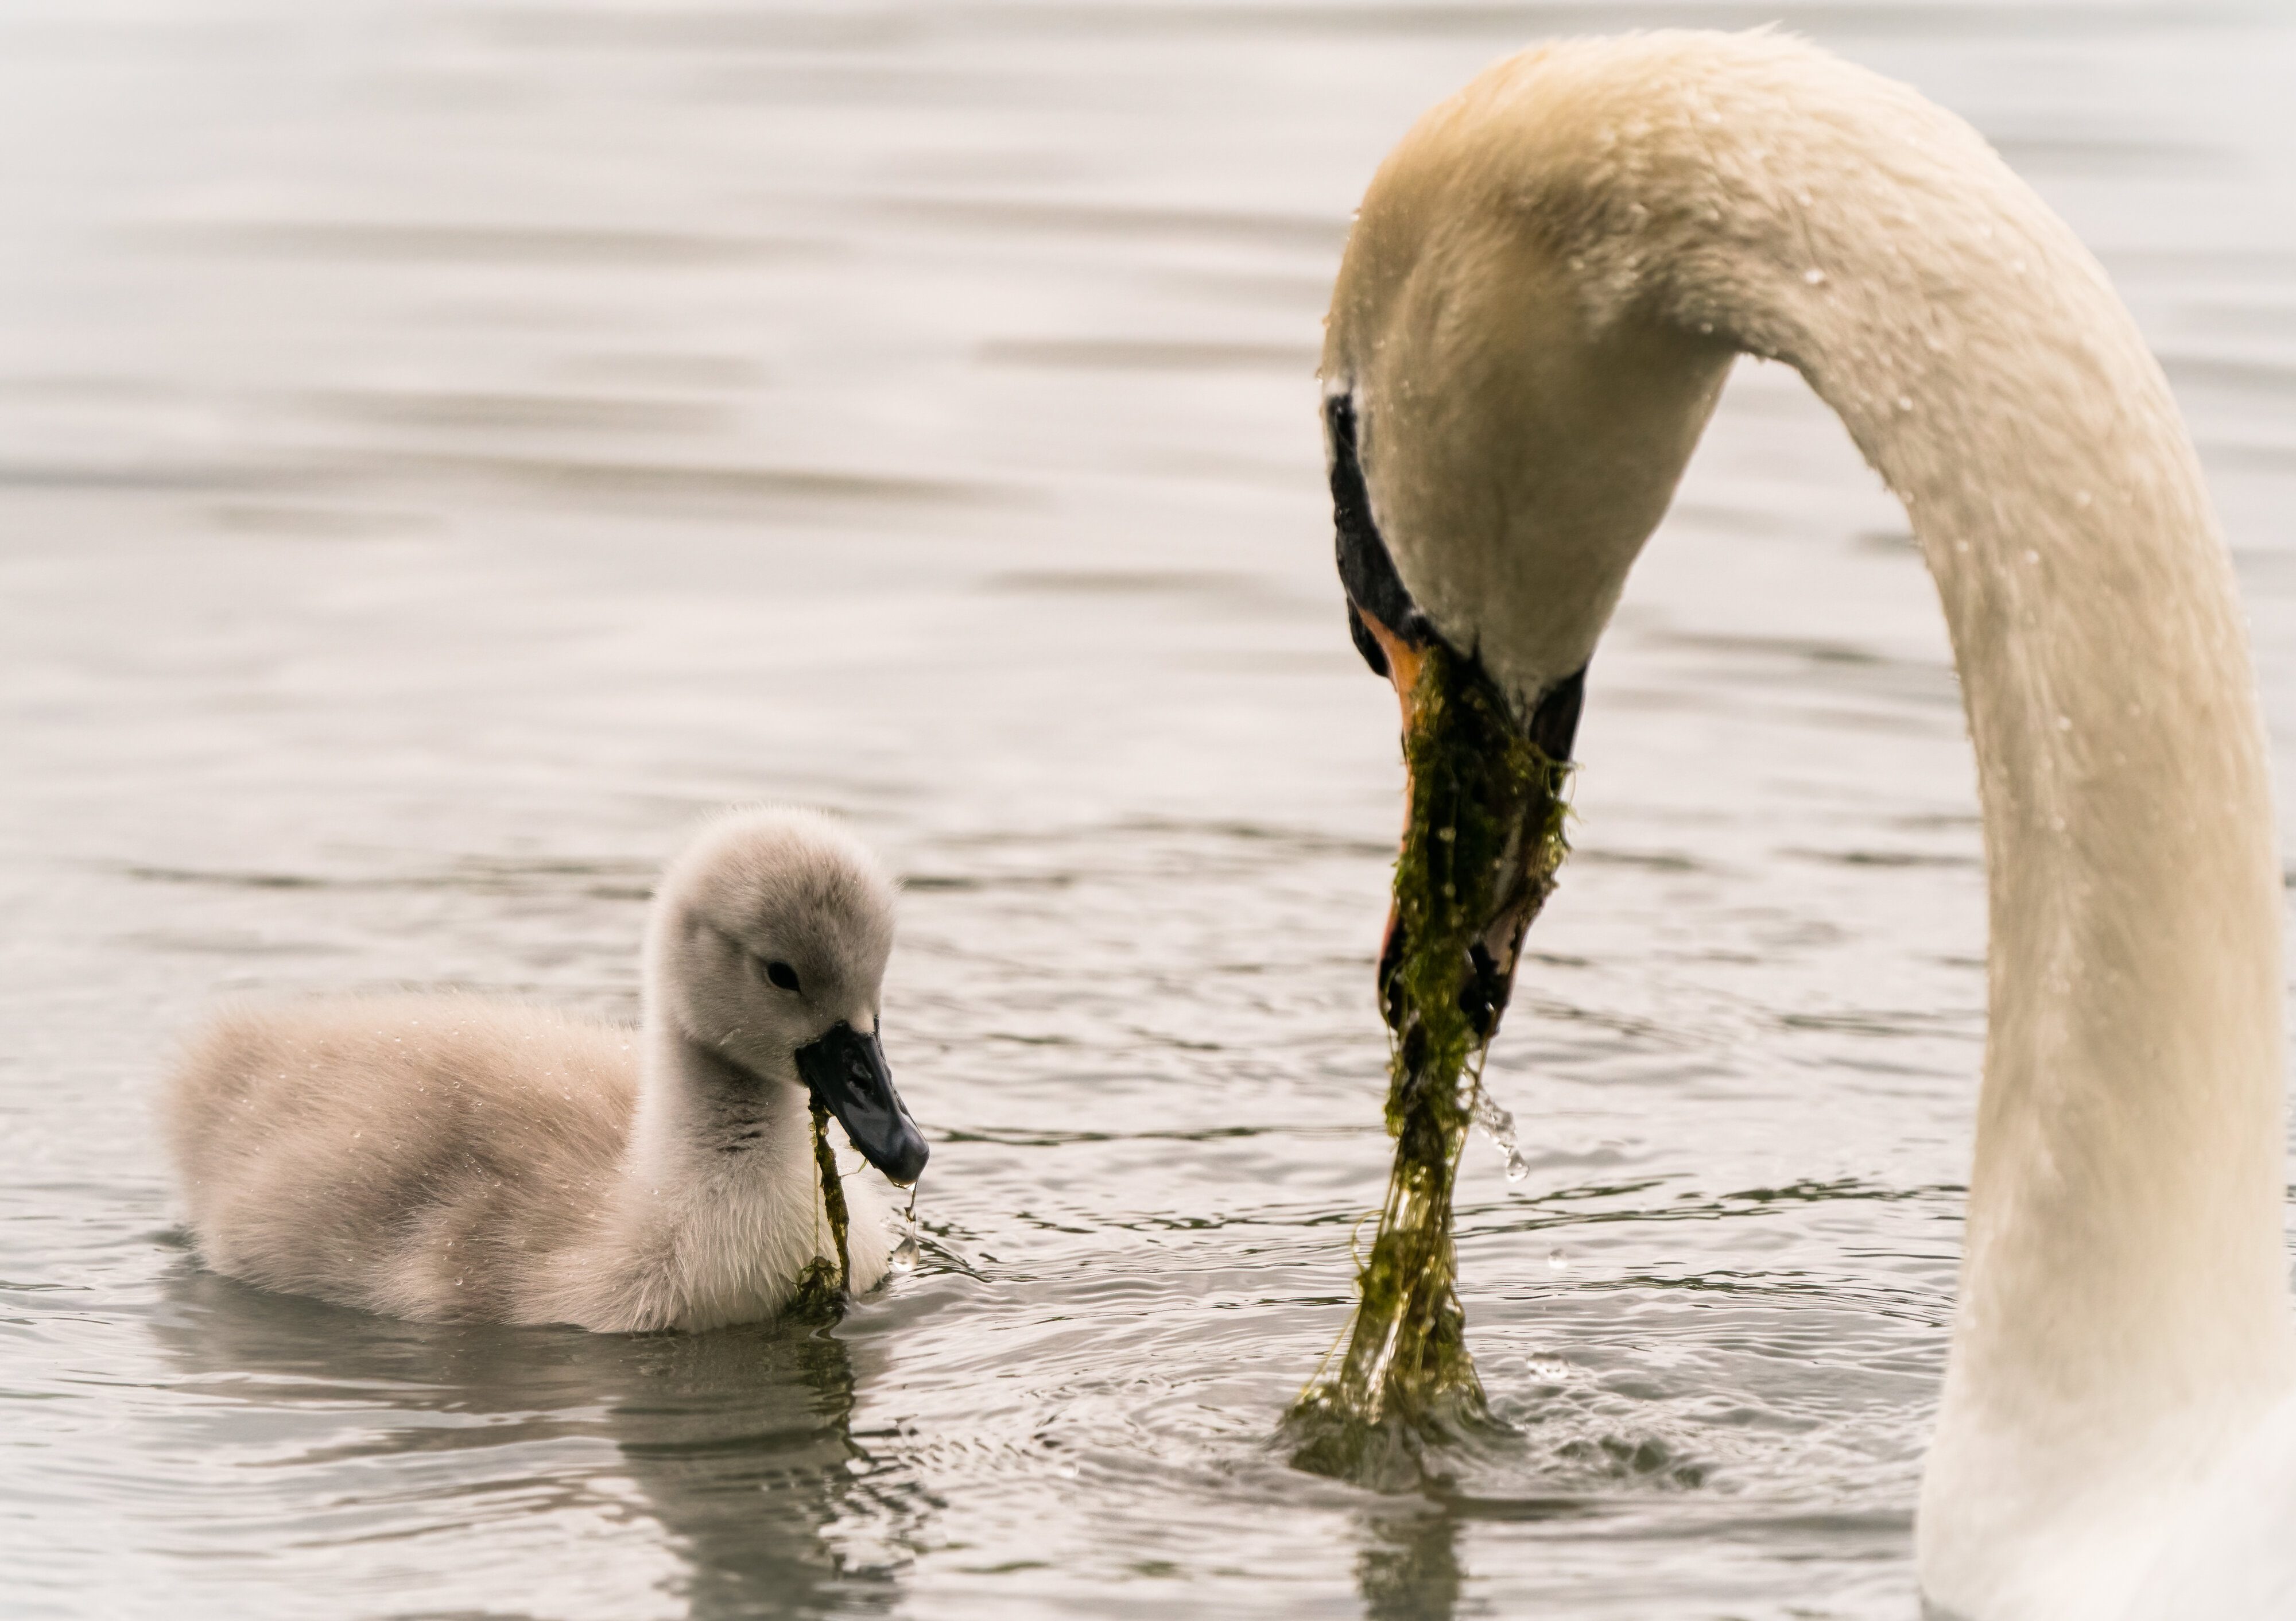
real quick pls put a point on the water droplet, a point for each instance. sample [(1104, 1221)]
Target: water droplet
[(1556, 1261), (1499, 1125), (1815, 277), (1548, 1369), (907, 1253)]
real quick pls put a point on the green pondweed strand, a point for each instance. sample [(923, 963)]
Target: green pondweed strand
[(1480, 848), (822, 1286)]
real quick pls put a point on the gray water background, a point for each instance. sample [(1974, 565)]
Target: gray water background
[(447, 446)]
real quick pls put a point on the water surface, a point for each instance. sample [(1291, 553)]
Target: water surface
[(445, 447)]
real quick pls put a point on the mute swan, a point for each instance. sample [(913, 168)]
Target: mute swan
[(1548, 281), (444, 1158)]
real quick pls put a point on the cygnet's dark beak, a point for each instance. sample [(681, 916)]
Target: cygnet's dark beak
[(846, 1072)]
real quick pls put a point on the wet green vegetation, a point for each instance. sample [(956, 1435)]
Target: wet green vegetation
[(823, 1286), (1481, 847)]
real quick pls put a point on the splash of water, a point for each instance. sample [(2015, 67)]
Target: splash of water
[(908, 1252), (1499, 1125)]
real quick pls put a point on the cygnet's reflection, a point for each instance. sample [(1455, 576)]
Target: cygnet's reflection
[(737, 1441)]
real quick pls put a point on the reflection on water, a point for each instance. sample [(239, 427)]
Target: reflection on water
[(448, 447), (738, 1445), (1409, 1566)]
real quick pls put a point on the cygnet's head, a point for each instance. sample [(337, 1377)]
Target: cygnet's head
[(767, 948)]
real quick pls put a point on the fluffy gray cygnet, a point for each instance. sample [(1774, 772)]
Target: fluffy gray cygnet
[(444, 1158)]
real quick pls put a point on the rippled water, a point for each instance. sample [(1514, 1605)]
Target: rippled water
[(445, 447)]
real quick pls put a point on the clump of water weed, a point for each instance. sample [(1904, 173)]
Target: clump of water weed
[(823, 1286), (1481, 847)]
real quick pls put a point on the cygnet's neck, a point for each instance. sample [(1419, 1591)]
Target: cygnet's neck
[(701, 1118), (704, 1122), (719, 1169), (720, 1206)]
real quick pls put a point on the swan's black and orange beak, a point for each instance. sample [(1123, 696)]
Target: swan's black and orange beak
[(1390, 655), (846, 1071), (1491, 812)]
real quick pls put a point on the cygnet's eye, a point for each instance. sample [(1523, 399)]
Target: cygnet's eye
[(783, 975)]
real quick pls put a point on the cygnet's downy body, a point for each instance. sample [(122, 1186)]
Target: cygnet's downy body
[(444, 1158)]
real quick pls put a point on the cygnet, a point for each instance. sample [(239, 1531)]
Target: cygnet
[(444, 1158)]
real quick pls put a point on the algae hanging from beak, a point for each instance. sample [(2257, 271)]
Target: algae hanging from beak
[(823, 1286), (1481, 843)]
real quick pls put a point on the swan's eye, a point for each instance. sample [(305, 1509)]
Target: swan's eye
[(783, 975)]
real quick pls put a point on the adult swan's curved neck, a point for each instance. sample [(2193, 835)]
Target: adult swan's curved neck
[(1546, 284)]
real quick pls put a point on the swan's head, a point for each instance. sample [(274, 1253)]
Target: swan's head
[(1509, 396), (768, 949)]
